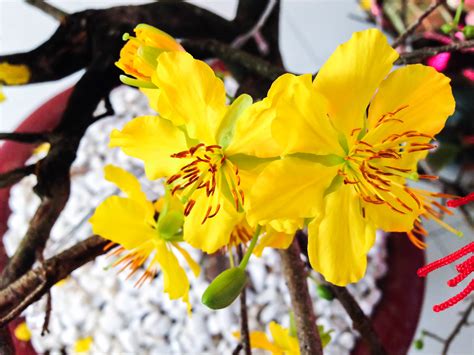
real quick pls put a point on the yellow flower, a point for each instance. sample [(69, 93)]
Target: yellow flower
[(139, 55), (83, 345), (22, 332), (130, 221), (283, 342), (210, 152), (351, 138), (13, 74)]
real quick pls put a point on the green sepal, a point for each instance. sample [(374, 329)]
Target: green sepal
[(324, 292), (335, 184), (468, 31), (326, 160), (227, 127), (225, 288), (324, 335), (137, 83)]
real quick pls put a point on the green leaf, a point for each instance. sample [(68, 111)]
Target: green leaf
[(227, 126)]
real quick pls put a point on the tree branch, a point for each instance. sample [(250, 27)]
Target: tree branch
[(12, 177), (34, 284), (457, 329), (244, 323), (32, 138), (402, 38), (49, 9), (294, 270), (419, 55), (360, 321)]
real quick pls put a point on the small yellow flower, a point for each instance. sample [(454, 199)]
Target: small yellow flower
[(130, 221), (282, 343), (209, 151), (138, 57), (351, 139), (83, 345), (22, 332), (13, 74)]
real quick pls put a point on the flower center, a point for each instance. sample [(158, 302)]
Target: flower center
[(206, 170)]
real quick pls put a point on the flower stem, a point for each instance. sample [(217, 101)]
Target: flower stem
[(248, 253)]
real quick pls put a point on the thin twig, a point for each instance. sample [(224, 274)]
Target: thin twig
[(359, 320), (433, 336), (47, 314), (244, 324), (35, 283), (457, 329), (240, 41), (402, 38), (404, 12), (418, 55), (13, 176), (302, 305), (49, 9), (25, 137)]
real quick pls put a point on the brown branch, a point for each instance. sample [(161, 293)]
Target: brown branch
[(244, 323), (32, 138), (402, 38), (360, 321), (457, 329), (419, 55), (38, 281), (305, 319), (433, 336), (254, 64), (6, 343), (12, 177), (49, 9)]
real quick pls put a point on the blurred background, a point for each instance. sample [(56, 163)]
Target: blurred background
[(310, 31)]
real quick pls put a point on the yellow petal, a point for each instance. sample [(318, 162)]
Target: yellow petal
[(176, 283), (194, 266), (301, 124), (351, 76), (273, 239), (154, 37), (283, 340), (215, 232), (83, 345), (340, 238), (389, 219), (123, 221), (14, 74), (290, 188), (259, 340), (2, 95), (153, 140), (190, 95), (423, 96), (253, 132), (22, 332)]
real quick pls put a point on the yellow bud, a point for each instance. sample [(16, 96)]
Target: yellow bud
[(225, 288), (22, 332)]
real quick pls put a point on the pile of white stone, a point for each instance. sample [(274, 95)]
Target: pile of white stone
[(97, 302)]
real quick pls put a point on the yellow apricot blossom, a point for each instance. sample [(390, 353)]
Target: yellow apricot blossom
[(210, 152), (13, 74), (351, 139), (282, 343), (130, 222)]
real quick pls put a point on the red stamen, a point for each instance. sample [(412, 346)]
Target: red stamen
[(461, 201), (452, 301)]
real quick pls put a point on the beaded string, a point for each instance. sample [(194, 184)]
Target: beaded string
[(464, 268)]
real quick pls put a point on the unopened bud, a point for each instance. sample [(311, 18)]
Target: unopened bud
[(225, 288)]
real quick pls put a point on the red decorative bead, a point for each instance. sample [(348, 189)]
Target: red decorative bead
[(461, 201)]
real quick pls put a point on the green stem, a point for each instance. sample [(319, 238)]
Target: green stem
[(248, 253), (457, 17)]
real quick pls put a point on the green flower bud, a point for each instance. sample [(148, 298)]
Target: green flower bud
[(225, 288), (447, 28), (468, 31), (419, 344), (324, 292)]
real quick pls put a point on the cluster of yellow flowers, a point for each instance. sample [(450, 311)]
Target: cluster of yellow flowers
[(331, 154)]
